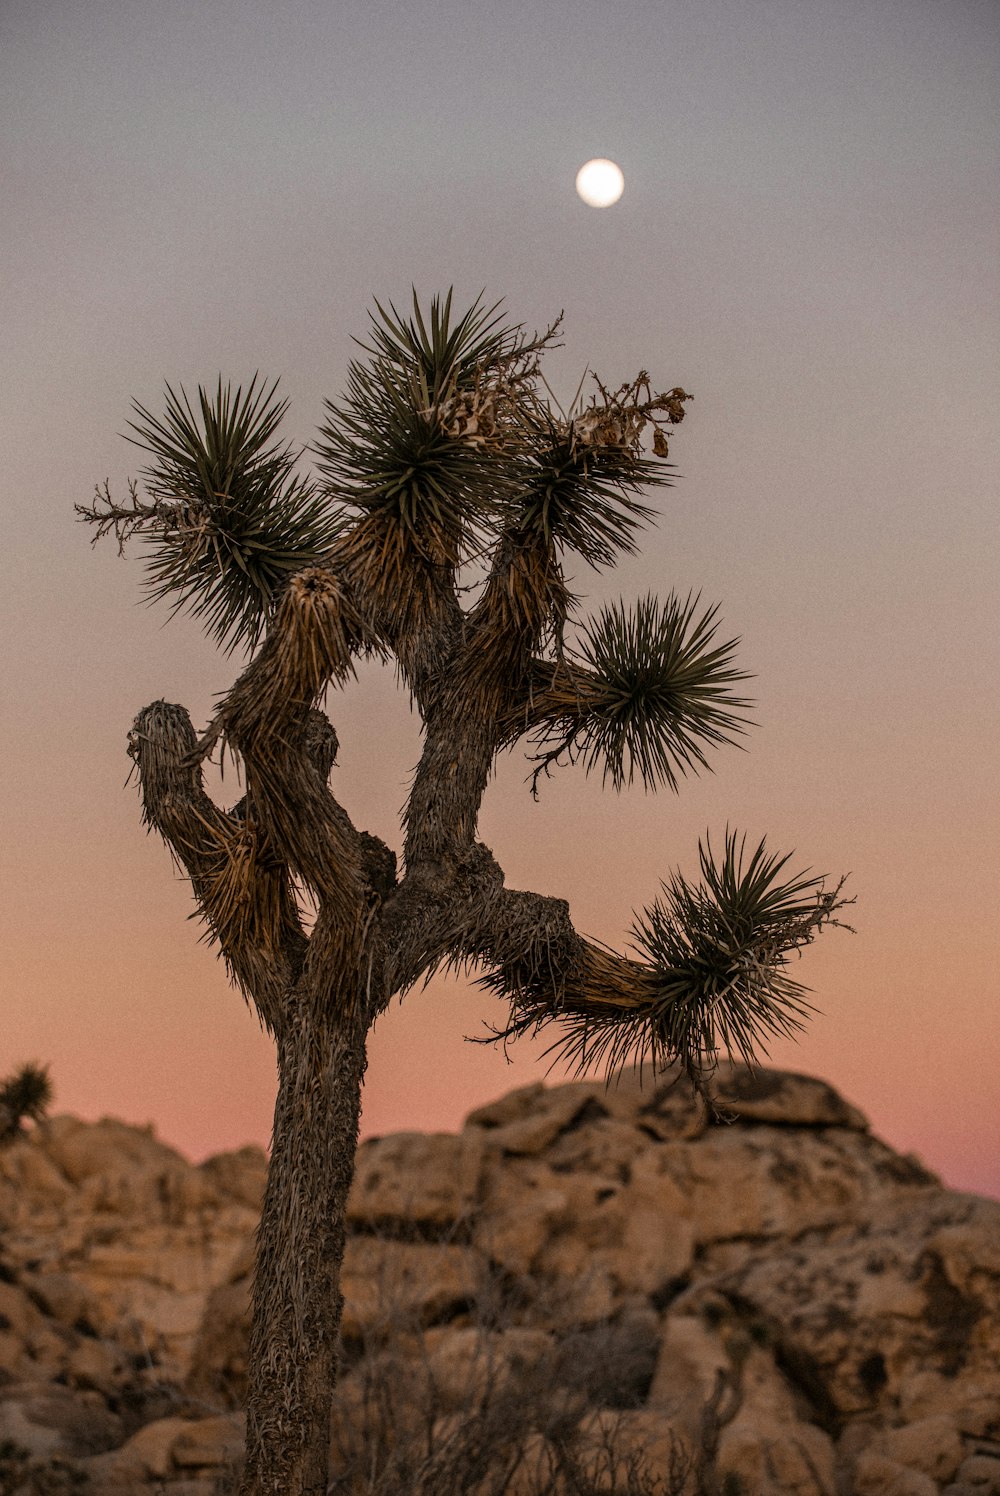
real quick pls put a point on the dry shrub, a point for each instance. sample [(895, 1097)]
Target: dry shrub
[(490, 1404)]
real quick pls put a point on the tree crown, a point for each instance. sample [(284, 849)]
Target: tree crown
[(449, 494)]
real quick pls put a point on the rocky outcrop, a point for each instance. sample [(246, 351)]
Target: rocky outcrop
[(772, 1304)]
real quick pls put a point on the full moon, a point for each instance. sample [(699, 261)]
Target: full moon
[(600, 183)]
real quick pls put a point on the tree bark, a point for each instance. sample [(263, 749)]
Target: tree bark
[(297, 1300)]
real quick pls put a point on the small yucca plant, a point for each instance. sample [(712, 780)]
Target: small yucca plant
[(25, 1095)]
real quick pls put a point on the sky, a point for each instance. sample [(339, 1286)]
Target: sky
[(806, 242)]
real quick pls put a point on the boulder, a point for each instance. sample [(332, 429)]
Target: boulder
[(417, 1180), (764, 1291), (393, 1283)]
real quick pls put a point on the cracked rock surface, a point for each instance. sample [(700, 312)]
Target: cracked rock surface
[(777, 1296)]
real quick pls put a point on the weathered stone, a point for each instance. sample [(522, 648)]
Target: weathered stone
[(877, 1475), (759, 1181), (814, 1289), (793, 1458), (405, 1283), (147, 1455), (971, 1401), (638, 1234), (556, 1112), (87, 1150), (423, 1179), (466, 1363), (643, 1440), (783, 1097), (240, 1175), (692, 1360), (606, 1148), (16, 1425), (95, 1364), (755, 1284), (219, 1360), (523, 1204), (979, 1475), (20, 1318), (537, 1470), (209, 1441), (121, 1239), (50, 1419), (509, 1108), (933, 1445), (63, 1298)]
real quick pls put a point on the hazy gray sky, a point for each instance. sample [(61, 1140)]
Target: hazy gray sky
[(807, 241)]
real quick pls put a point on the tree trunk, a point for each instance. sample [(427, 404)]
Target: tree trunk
[(297, 1302)]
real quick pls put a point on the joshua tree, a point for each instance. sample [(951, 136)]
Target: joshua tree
[(26, 1093), (449, 493)]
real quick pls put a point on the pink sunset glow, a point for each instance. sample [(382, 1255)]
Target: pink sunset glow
[(807, 243)]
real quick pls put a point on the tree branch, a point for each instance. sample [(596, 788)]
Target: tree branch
[(715, 978), (288, 747), (425, 919), (244, 892)]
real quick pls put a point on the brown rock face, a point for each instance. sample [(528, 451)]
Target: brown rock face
[(586, 1285)]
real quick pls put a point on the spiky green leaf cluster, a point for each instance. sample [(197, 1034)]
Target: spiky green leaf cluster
[(719, 951), (579, 497), (25, 1094), (716, 956), (661, 691), (231, 519), (422, 432)]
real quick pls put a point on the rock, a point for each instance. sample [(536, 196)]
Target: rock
[(118, 1236), (693, 1361), (106, 1149), (759, 1181), (209, 1442), (971, 1401), (979, 1475), (147, 1455), (29, 1343), (16, 1425), (536, 1471), (637, 1235), (240, 1175), (218, 1367), (859, 1345), (95, 1364), (932, 1445), (607, 1266), (421, 1180), (466, 1363), (779, 1096), (512, 1107), (48, 1419), (410, 1283), (604, 1147), (796, 1459), (641, 1440), (63, 1298), (554, 1112), (523, 1205), (877, 1475)]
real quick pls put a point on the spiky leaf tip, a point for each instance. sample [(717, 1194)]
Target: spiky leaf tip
[(660, 692), (230, 520), (425, 431), (718, 953)]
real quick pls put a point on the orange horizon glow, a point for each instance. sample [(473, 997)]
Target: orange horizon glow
[(807, 243)]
